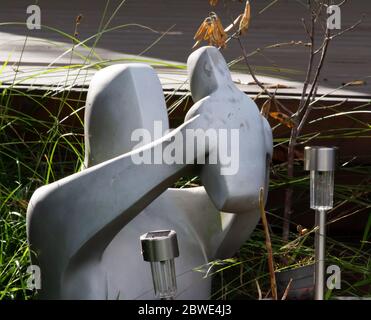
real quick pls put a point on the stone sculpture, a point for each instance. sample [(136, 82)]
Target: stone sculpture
[(84, 229)]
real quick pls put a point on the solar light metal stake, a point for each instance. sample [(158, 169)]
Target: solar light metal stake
[(321, 162), (160, 248)]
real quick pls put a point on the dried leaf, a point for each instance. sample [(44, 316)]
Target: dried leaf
[(209, 36), (200, 33), (211, 30), (302, 231), (282, 118), (215, 35), (245, 20), (213, 2), (79, 18), (357, 83), (221, 35)]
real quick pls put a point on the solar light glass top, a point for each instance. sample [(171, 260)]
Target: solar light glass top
[(321, 162), (160, 248)]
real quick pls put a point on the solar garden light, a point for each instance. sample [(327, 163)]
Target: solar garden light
[(321, 162), (160, 248)]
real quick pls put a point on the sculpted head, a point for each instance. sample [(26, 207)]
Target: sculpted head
[(228, 108), (207, 71)]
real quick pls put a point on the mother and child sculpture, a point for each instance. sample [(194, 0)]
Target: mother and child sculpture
[(84, 229)]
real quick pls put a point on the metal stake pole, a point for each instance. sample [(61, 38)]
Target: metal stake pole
[(320, 253), (321, 162)]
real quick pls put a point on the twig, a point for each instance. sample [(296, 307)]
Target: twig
[(268, 244), (307, 107), (310, 65), (303, 111), (271, 46), (287, 290), (267, 294), (260, 296), (342, 3), (347, 29), (244, 54), (241, 274)]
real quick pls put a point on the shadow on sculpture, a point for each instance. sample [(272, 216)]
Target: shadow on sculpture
[(85, 228)]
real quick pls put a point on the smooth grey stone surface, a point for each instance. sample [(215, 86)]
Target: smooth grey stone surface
[(85, 228), (121, 98)]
